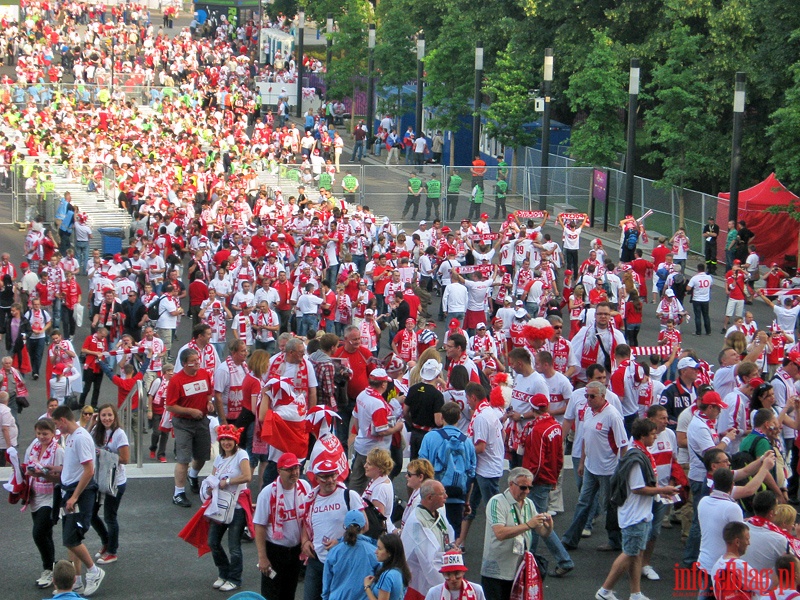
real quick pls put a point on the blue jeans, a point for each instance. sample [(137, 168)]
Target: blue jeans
[(485, 487), (692, 548), (230, 569), (595, 488), (358, 149), (579, 484), (456, 315), (107, 528), (82, 253), (361, 263), (540, 495), (313, 580), (307, 323)]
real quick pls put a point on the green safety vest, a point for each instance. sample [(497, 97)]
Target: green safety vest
[(502, 167), (501, 187), (434, 187), (478, 198), (415, 183), (325, 181), (454, 184), (349, 182)]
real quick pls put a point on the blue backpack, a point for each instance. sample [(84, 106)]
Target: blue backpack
[(632, 239), (450, 464)]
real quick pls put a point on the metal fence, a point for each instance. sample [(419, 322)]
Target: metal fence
[(569, 185), (384, 188), (92, 93)]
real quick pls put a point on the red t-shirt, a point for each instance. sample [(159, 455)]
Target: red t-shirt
[(361, 367), (250, 387), (190, 392), (198, 291), (660, 255)]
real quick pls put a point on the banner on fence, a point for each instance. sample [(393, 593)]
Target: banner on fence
[(485, 270)]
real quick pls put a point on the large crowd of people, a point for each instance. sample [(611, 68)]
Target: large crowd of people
[(317, 362)]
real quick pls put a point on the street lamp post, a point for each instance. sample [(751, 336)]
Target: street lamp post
[(476, 115), (371, 82), (545, 162), (630, 157), (329, 48), (420, 72), (300, 33), (736, 150)]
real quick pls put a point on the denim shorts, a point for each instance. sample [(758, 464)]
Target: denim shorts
[(634, 538)]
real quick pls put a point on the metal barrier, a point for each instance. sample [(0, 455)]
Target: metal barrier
[(569, 184), (93, 93), (133, 418)]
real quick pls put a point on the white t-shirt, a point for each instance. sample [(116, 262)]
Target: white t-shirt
[(78, 450), (603, 437), (524, 390), (637, 507), (166, 320), (786, 317), (460, 398), (373, 416), (683, 425), (725, 380), (114, 442), (287, 514), (223, 286), (572, 238), (477, 293), (560, 392), (714, 512), (749, 577), (765, 548), (381, 490), (487, 428), (7, 420), (700, 438), (327, 518), (230, 466), (700, 285), (576, 412), (664, 451)]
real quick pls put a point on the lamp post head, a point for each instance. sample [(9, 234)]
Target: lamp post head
[(371, 42), (548, 64), (420, 46), (479, 56)]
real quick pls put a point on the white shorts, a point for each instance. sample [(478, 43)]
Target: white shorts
[(735, 308)]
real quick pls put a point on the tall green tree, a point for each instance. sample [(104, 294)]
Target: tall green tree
[(509, 86), (785, 133), (679, 121), (597, 93), (395, 53), (349, 58)]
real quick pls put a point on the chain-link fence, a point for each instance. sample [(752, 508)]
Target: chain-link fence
[(566, 186)]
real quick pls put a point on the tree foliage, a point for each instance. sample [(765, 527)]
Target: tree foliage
[(350, 53), (597, 93)]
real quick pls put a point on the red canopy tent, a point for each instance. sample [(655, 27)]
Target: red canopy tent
[(776, 235)]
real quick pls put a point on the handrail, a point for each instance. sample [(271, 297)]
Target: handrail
[(126, 412)]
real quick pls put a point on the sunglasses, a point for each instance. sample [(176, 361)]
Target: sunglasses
[(524, 488), (86, 412), (410, 474), (327, 477)]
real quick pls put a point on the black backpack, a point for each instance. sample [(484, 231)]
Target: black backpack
[(153, 312)]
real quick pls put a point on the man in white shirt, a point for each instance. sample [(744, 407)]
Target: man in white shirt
[(766, 544), (308, 305), (487, 436), (454, 300), (168, 311), (699, 287), (604, 440), (714, 512)]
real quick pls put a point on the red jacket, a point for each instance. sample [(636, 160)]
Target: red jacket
[(544, 450)]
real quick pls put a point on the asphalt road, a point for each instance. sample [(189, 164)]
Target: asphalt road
[(154, 563)]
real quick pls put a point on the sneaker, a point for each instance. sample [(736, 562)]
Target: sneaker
[(552, 513), (639, 596), (181, 500), (162, 459), (35, 376), (650, 573), (77, 588), (45, 579), (218, 583), (93, 582), (228, 586), (605, 595), (194, 484), (107, 559), (586, 533), (152, 454), (101, 553)]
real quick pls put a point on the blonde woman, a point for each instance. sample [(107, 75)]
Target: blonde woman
[(380, 491), (415, 377)]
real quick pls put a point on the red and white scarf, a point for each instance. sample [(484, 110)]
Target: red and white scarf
[(265, 320), (467, 591), (277, 507), (22, 390), (237, 375), (45, 457), (757, 521), (644, 449), (369, 339), (680, 244), (407, 348), (482, 406), (208, 357), (301, 377)]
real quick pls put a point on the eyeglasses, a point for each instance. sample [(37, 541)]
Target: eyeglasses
[(558, 327), (410, 474), (524, 488), (326, 477)]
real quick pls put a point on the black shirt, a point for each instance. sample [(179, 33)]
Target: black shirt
[(423, 401)]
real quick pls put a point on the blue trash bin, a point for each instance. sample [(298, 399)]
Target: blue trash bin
[(111, 239)]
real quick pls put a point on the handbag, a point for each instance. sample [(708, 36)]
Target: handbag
[(106, 472), (222, 511)]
